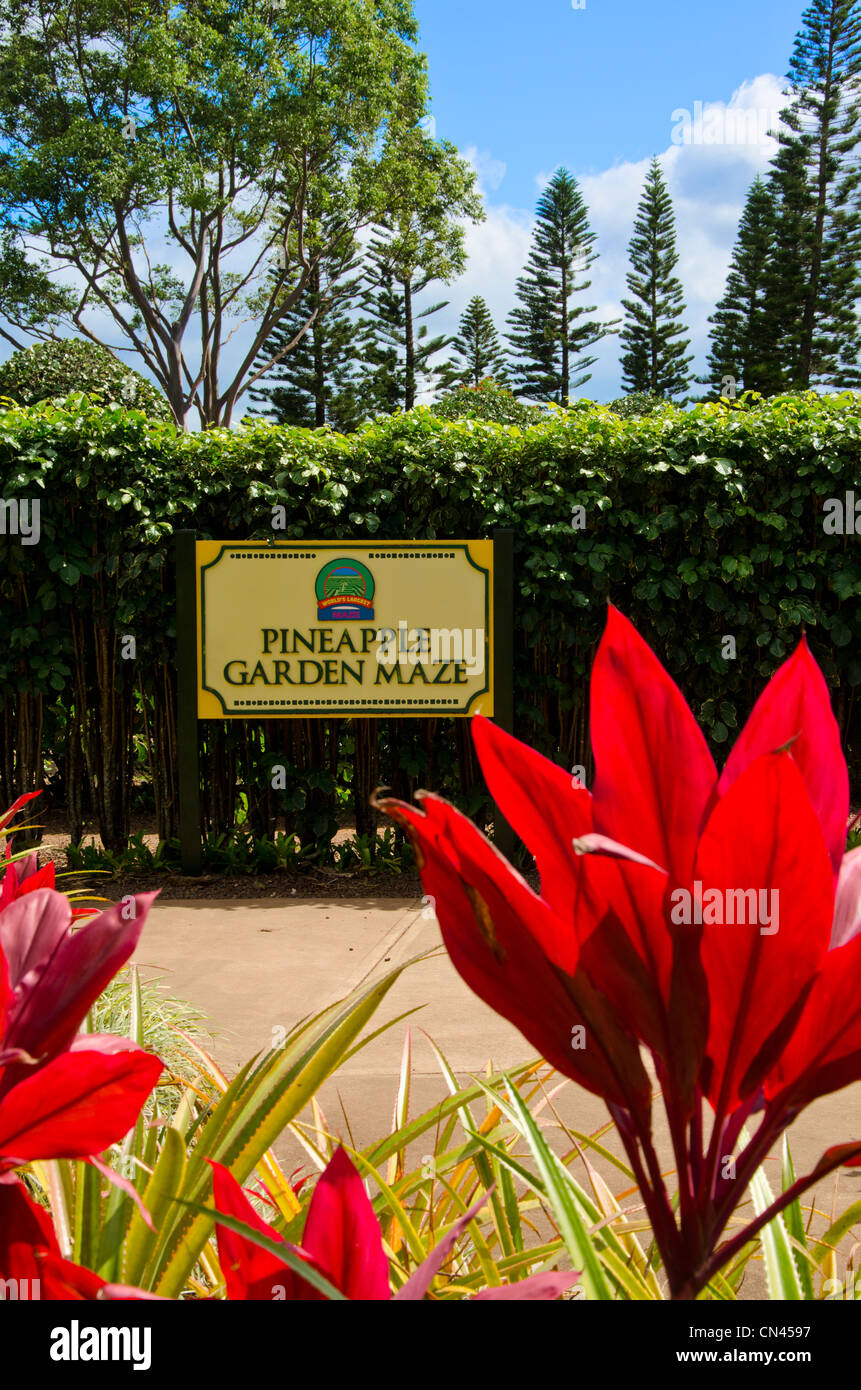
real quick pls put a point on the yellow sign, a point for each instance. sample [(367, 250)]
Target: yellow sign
[(329, 628)]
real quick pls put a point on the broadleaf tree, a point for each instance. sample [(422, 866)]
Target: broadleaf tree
[(158, 160)]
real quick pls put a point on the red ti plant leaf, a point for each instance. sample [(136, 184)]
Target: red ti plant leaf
[(342, 1234), (751, 1001), (75, 1105), (62, 1096), (548, 812), (25, 1229), (505, 941), (31, 931), (761, 859), (847, 900), (794, 711), (553, 816), (24, 877), (537, 1287), (57, 972), (29, 1251), (13, 810), (824, 1052), (341, 1239), (65, 1282), (654, 775), (251, 1273)]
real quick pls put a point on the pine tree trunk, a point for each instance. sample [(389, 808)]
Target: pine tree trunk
[(653, 384), (319, 377), (565, 386), (319, 361), (410, 347), (809, 321)]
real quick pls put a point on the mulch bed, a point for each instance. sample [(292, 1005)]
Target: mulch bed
[(319, 884), (313, 882)]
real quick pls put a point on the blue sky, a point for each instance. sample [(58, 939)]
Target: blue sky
[(524, 89), (542, 85)]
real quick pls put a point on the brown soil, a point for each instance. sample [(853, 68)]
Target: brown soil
[(315, 882), (318, 884)]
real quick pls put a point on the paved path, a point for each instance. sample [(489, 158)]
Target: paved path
[(255, 966)]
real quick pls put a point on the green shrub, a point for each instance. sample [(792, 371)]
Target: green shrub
[(636, 404), (54, 370), (487, 401), (700, 524)]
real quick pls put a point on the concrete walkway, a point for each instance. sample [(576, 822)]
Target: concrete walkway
[(257, 966)]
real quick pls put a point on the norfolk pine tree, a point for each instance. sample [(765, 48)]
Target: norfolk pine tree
[(418, 243), (657, 359), (478, 353), (814, 283), (315, 382), (548, 333), (398, 348), (383, 376), (743, 341)]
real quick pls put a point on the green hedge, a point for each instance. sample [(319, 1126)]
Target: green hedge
[(699, 524), (54, 368)]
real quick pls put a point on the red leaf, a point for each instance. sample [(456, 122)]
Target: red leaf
[(60, 986), (847, 900), (250, 1272), (25, 1227), (824, 1053), (539, 1287), (762, 836), (63, 1281), (543, 807), (76, 1105), (654, 774), (795, 709), (343, 1236), (31, 930), (504, 940), (414, 1290), (341, 1239), (15, 807)]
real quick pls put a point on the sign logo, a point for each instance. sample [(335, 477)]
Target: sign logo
[(345, 592)]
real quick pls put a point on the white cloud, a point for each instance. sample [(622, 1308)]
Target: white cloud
[(490, 171), (497, 249)]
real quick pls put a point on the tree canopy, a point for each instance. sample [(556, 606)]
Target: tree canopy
[(158, 160)]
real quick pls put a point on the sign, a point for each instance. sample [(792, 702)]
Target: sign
[(329, 629), (325, 629)]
